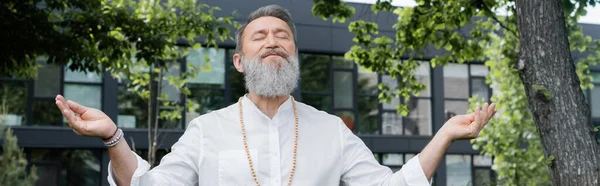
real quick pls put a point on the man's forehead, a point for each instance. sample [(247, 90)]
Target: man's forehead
[(267, 22)]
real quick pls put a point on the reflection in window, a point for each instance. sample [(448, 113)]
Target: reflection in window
[(347, 117), (393, 159), (456, 81), (47, 84), (342, 63), (454, 108), (82, 77), (133, 110), (342, 89), (319, 102), (205, 100), (367, 115), (67, 167), (392, 85), (392, 123), (480, 89), (367, 82), (595, 101), (88, 95), (422, 74), (314, 73), (418, 121), (458, 170), (45, 112), (483, 176), (13, 102), (479, 70), (216, 63)]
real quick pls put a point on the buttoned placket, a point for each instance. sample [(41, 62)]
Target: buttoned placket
[(274, 152)]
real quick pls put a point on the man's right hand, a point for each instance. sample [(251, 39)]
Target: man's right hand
[(86, 121)]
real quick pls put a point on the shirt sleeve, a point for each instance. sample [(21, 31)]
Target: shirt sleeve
[(360, 168), (179, 167)]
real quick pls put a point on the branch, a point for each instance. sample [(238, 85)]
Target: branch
[(491, 14)]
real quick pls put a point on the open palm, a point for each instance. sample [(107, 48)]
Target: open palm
[(86, 121), (469, 125)]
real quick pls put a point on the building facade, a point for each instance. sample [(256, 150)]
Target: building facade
[(328, 82)]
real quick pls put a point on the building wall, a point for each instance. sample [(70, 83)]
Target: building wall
[(65, 158)]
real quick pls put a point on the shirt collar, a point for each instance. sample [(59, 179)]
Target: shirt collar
[(247, 104)]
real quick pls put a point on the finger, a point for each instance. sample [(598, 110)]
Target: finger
[(76, 107)]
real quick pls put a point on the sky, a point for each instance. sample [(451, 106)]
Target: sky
[(592, 17)]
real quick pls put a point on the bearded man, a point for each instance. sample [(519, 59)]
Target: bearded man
[(267, 138)]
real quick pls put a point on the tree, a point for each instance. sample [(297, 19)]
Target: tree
[(443, 24), (138, 42), (13, 169), (554, 95)]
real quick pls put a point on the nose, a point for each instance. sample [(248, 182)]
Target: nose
[(271, 42)]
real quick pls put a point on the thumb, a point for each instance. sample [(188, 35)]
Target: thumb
[(77, 108)]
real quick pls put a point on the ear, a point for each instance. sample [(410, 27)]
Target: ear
[(237, 62)]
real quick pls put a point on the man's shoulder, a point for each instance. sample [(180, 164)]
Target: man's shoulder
[(213, 115), (312, 112)]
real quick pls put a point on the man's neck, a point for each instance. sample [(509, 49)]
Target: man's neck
[(268, 105)]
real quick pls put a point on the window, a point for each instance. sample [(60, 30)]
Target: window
[(67, 166), (315, 81), (13, 102), (458, 170), (594, 101), (462, 81), (208, 87), (483, 170), (394, 161), (418, 120)]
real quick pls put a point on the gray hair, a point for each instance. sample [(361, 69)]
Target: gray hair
[(272, 11)]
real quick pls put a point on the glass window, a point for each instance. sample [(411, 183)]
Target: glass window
[(314, 73), (392, 84), (418, 121), (392, 123), (479, 70), (480, 160), (423, 75), (133, 110), (320, 102), (456, 81), (13, 102), (483, 176), (367, 115), (215, 77), (454, 108), (205, 102), (172, 93), (458, 170), (408, 157), (45, 112), (47, 84), (367, 82), (479, 88), (342, 89), (82, 77), (341, 62), (393, 159), (68, 167), (347, 117), (595, 101), (376, 155), (87, 95)]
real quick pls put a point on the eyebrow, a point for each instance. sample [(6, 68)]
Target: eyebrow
[(264, 31)]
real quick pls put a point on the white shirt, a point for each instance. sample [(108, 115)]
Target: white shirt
[(211, 152)]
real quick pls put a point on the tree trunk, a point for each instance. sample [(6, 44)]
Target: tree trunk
[(555, 98)]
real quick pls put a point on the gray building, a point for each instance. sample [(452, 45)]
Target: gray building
[(63, 158)]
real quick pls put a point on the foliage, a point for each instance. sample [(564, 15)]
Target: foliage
[(511, 137), (107, 33), (13, 169)]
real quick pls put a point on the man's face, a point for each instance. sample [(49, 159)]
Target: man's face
[(267, 33), (268, 58)]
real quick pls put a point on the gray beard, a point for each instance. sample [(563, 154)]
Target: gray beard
[(269, 81)]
